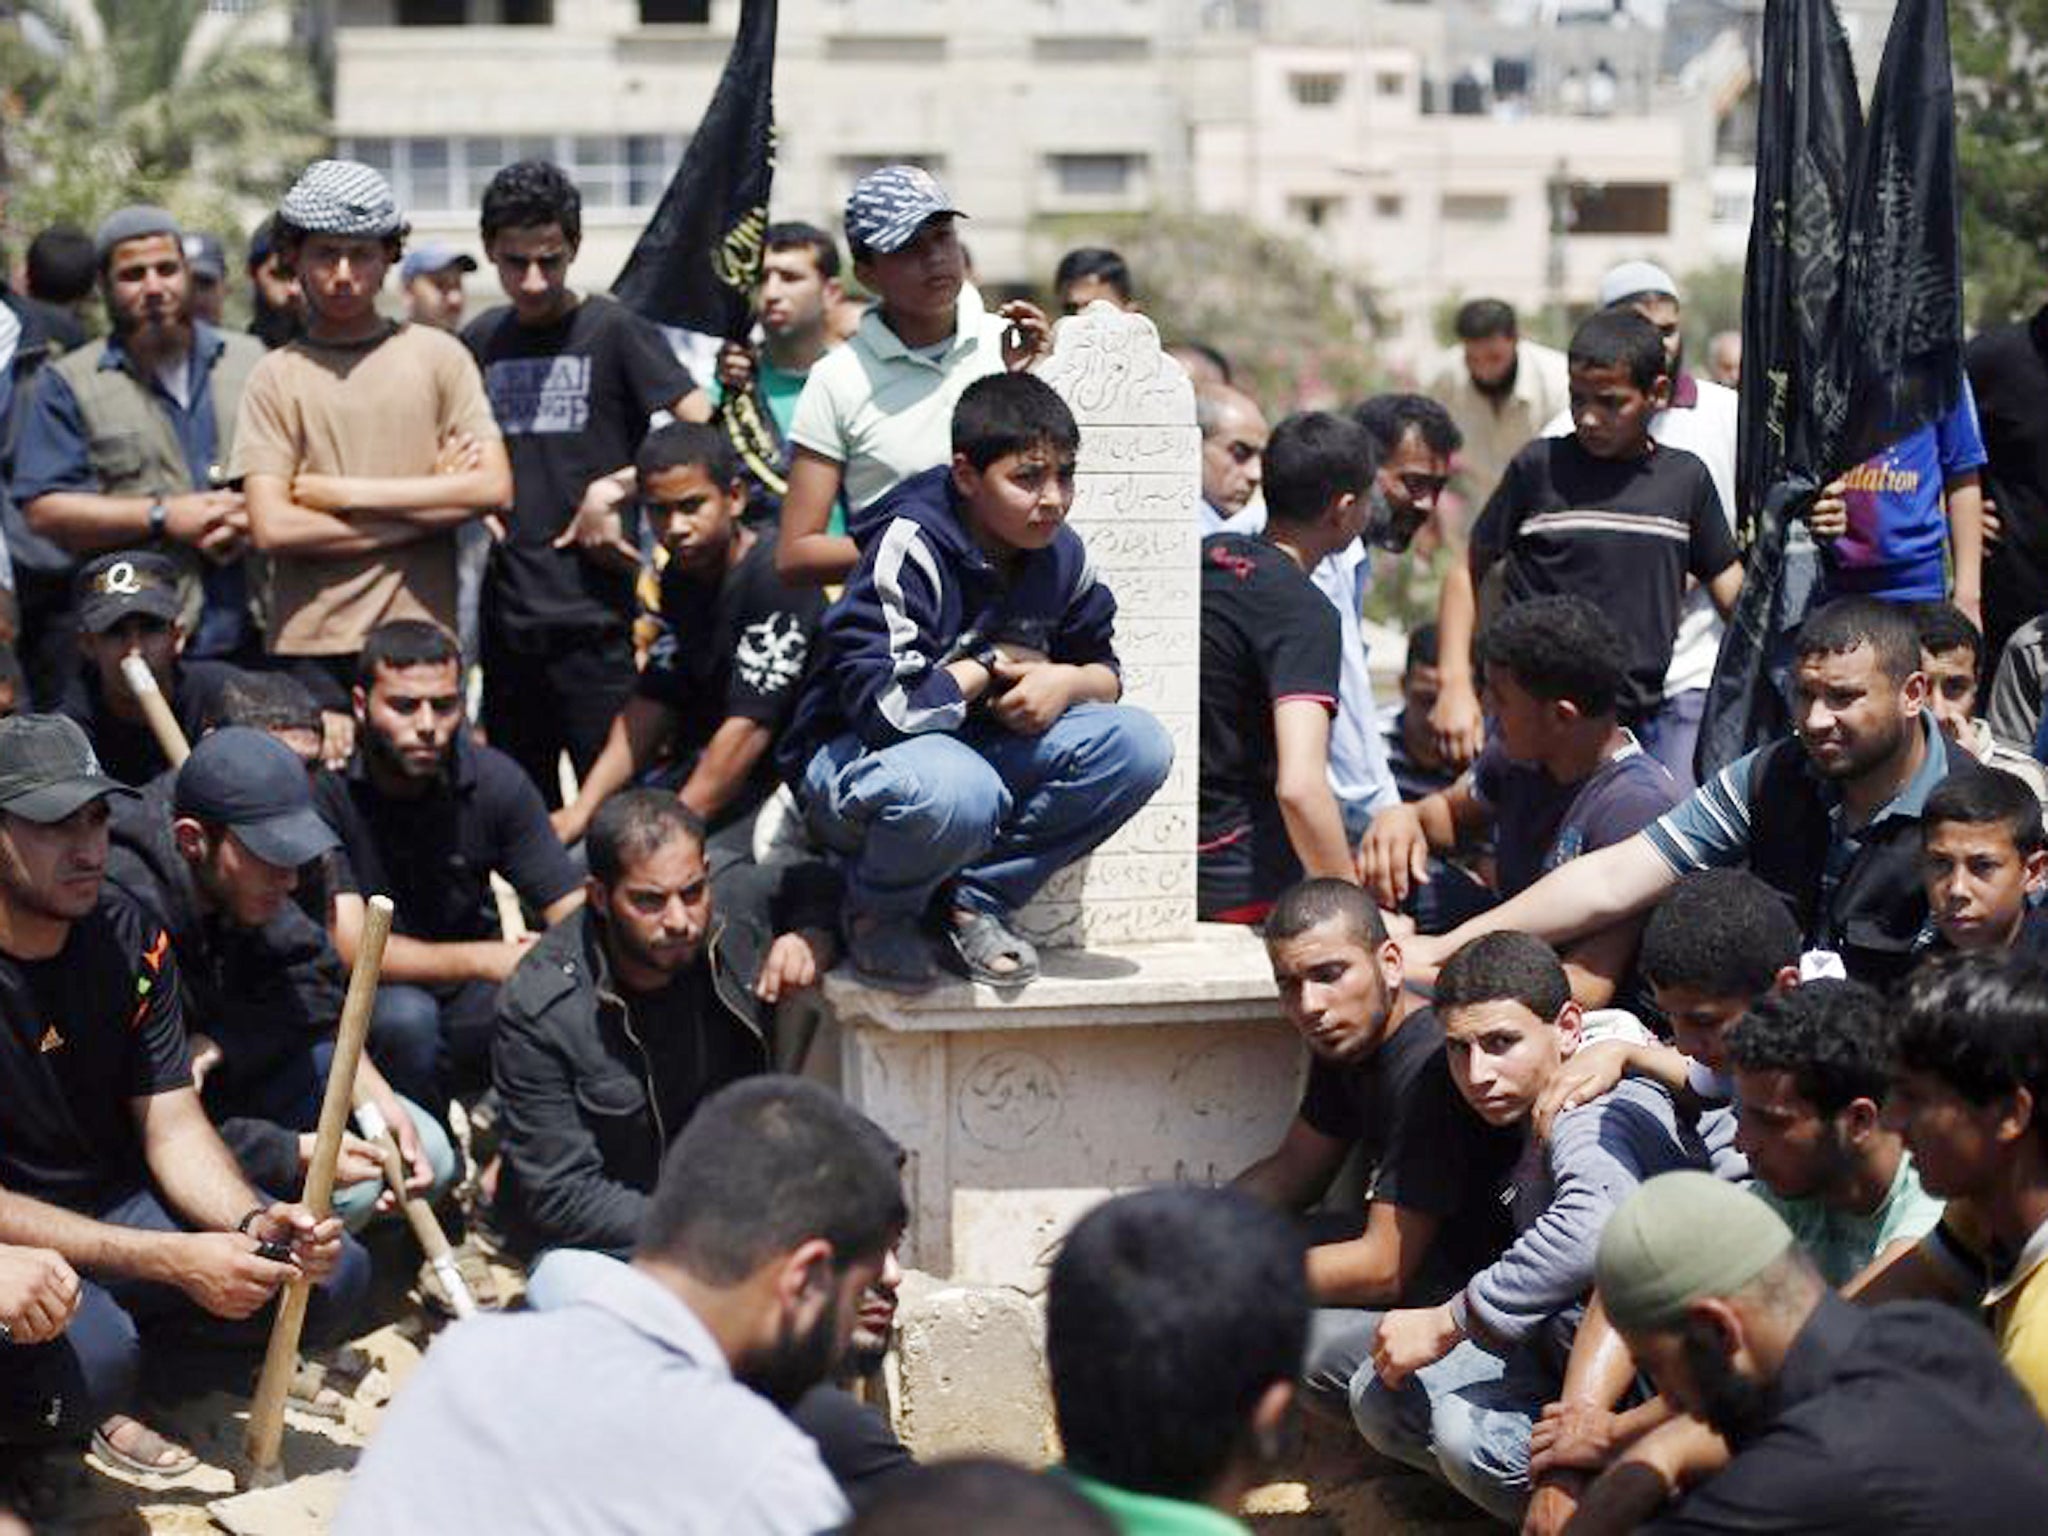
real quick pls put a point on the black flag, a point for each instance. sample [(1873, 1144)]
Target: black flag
[(1851, 318), (694, 265)]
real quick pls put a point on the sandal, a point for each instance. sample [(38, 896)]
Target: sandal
[(981, 942), (148, 1444), (890, 952)]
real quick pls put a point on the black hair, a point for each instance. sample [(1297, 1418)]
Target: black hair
[(632, 824), (1094, 261), (1979, 1024), (269, 701), (1847, 622), (1422, 647), (1390, 418), (794, 234), (528, 193), (764, 1166), (62, 264), (1981, 796), (402, 643), (1505, 967), (982, 1495), (1008, 413), (1560, 647), (1217, 359), (1310, 903), (681, 443), (1944, 627), (1480, 318), (1154, 1379), (1620, 338), (1830, 1035), (1722, 933), (1312, 458)]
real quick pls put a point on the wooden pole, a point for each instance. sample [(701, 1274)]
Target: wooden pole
[(426, 1227), (266, 1413), (156, 709)]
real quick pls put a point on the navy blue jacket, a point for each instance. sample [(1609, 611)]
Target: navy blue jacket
[(924, 595)]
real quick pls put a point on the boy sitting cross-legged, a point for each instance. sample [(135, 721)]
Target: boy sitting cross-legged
[(960, 740)]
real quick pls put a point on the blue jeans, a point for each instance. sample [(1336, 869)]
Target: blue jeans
[(1465, 1420), (63, 1389), (432, 1042), (994, 812)]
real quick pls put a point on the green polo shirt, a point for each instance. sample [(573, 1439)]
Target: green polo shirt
[(1146, 1514)]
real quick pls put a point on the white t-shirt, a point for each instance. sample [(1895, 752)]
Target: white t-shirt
[(883, 412)]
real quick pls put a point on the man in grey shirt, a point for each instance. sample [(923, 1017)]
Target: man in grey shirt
[(1457, 1388), (629, 1410)]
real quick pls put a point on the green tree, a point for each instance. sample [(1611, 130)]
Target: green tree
[(2002, 132), (109, 102), (1298, 333)]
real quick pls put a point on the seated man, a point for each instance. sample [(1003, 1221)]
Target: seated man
[(1377, 1080), (1419, 769), (1718, 944), (1810, 1081), (621, 1021), (971, 592), (776, 1210), (985, 1495), (1969, 1077), (282, 708), (1832, 1418), (1984, 856), (1829, 817), (128, 603), (1171, 1397), (425, 815), (1461, 1384), (721, 682), (215, 851), (1272, 658), (106, 1155), (1951, 654), (1561, 777)]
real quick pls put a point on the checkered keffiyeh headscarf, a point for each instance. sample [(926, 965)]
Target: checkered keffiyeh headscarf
[(342, 197)]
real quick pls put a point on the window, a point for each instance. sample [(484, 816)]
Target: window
[(661, 13), (428, 182), (432, 13), (1621, 208), (1386, 205), (615, 173), (885, 50), (1315, 212), (526, 13), (1095, 175), (1475, 207), (1390, 82), (1316, 90)]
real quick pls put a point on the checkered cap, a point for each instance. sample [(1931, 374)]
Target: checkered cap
[(342, 197), (887, 207)]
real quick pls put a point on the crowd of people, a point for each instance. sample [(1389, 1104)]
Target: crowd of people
[(1696, 1172)]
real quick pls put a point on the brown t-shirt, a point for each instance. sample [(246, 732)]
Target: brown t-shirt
[(379, 408)]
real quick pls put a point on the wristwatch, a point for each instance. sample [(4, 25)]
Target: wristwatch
[(159, 516)]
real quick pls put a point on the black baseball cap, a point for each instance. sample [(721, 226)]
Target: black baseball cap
[(256, 787), (127, 581), (48, 769)]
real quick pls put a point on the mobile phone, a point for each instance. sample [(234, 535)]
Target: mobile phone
[(277, 1253)]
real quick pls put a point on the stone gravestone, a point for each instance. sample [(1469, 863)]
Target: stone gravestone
[(1150, 1050), (1137, 487)]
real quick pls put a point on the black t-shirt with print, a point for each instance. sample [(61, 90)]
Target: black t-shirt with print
[(1426, 1149), (1267, 635), (572, 399), (741, 651), (81, 1034), (1622, 533)]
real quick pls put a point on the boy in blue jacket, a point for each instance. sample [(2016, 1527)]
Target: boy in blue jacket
[(959, 741)]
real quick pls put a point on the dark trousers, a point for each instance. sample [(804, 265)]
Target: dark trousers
[(549, 690), (434, 1042), (62, 1390)]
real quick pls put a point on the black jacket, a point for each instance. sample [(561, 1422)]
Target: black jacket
[(267, 996), (591, 1097), (1876, 917)]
